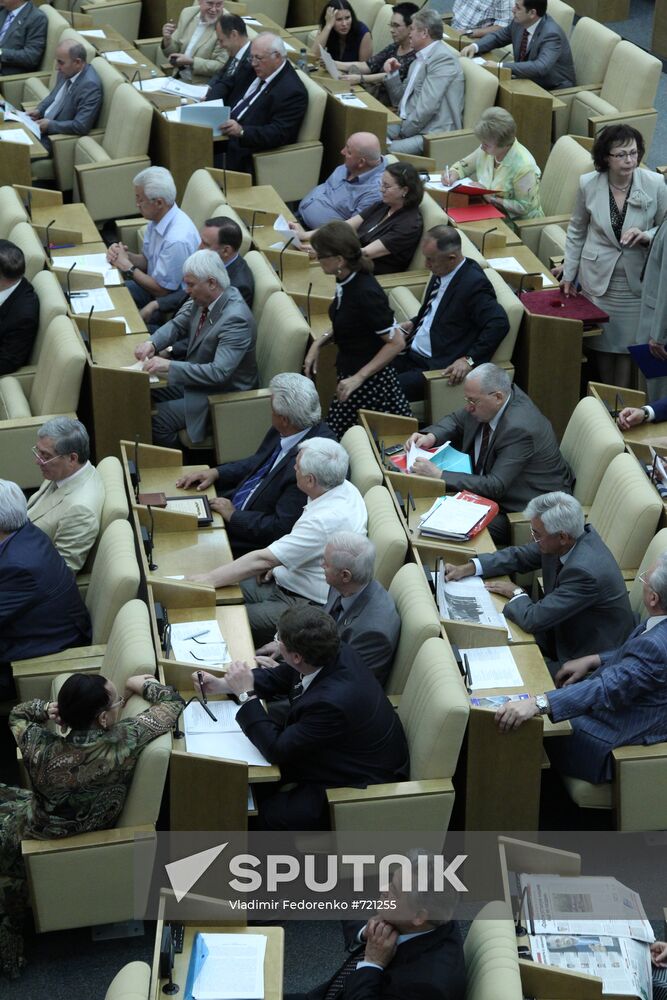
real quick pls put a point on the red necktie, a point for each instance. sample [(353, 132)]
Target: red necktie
[(523, 50), (202, 320)]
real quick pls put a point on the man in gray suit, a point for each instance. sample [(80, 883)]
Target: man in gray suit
[(431, 98), (613, 699), (585, 604), (208, 347), (74, 103), (541, 51), (512, 447), (22, 36)]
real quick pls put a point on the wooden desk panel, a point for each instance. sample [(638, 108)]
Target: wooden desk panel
[(74, 219), (532, 109)]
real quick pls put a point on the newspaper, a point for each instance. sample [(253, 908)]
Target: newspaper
[(588, 905), (623, 965), (467, 600)]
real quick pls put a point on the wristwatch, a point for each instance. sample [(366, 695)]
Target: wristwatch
[(470, 362), (130, 271), (647, 414), (542, 703), (518, 591), (246, 696)]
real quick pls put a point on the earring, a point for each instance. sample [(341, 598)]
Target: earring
[(339, 271)]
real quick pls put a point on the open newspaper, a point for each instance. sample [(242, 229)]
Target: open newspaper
[(623, 965), (467, 600)]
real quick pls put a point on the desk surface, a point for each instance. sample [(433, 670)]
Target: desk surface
[(537, 680), (233, 622), (36, 150), (163, 480), (75, 217), (184, 553), (527, 259)]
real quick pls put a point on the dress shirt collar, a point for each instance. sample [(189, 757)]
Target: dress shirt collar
[(72, 80), (5, 293), (241, 53), (566, 555), (163, 225), (531, 30), (257, 83), (347, 602), (307, 679), (287, 443), (496, 420), (402, 938), (653, 621), (68, 479), (424, 53), (228, 263)]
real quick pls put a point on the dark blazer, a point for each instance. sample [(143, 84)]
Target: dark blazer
[(659, 407), (549, 61), (80, 108), (623, 703), (371, 625), (522, 460), (273, 120), (19, 319), (469, 319), (231, 80), (585, 608), (41, 610), (23, 45)]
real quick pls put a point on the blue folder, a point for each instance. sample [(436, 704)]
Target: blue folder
[(451, 460), (649, 366)]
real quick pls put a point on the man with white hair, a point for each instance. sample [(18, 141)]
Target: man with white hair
[(352, 186), (171, 236), (585, 604), (291, 567), (208, 347), (269, 112)]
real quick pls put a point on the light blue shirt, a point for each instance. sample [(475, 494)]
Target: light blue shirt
[(341, 198), (167, 245)]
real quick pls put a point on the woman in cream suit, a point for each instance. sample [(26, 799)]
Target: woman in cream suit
[(618, 208)]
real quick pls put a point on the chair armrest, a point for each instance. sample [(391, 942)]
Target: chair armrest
[(656, 751), (128, 232), (35, 663), (100, 838), (597, 122), (529, 229), (592, 88), (63, 146), (95, 5), (394, 789), (235, 397), (11, 87)]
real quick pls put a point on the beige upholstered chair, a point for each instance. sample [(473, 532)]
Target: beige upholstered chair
[(419, 621), (380, 30), (202, 197), (122, 15), (657, 546), (432, 215), (52, 303), (266, 281), (368, 11), (54, 391), (592, 44), (491, 957), (114, 508), (104, 168), (131, 983), (12, 210), (481, 88), (12, 86), (590, 442), (27, 239), (563, 15), (434, 711), (275, 9), (387, 534), (364, 470), (294, 170)]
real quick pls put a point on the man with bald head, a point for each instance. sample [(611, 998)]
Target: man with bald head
[(73, 106), (352, 187)]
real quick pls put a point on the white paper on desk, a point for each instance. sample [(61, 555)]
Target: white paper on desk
[(251, 20), (196, 722), (15, 135), (467, 600), (227, 746), (351, 101), (96, 263), (451, 517), (173, 115), (492, 667), (89, 297), (112, 277), (121, 319), (329, 64), (93, 33), (233, 968), (172, 86), (150, 86), (480, 60), (138, 366), (506, 264), (20, 116), (118, 56), (209, 648), (281, 225), (547, 282)]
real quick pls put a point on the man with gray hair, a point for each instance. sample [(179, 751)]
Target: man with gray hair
[(352, 186), (68, 505), (208, 347), (170, 237), (431, 98), (258, 496), (612, 699), (41, 610), (585, 604), (291, 567), (513, 450), (72, 107)]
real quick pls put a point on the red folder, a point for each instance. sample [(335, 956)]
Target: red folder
[(472, 213), (476, 498), (551, 302)]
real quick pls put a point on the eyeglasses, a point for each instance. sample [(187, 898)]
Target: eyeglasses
[(277, 638), (643, 578), (475, 402), (536, 537), (625, 154), (259, 59), (39, 455)]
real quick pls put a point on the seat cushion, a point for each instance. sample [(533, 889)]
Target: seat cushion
[(584, 105), (13, 402), (588, 796)]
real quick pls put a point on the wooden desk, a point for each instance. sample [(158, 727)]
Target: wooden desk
[(342, 120), (180, 148), (140, 69), (112, 39), (16, 157), (529, 261), (72, 224), (532, 109)]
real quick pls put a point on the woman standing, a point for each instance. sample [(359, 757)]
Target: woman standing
[(363, 330), (342, 34), (618, 208)]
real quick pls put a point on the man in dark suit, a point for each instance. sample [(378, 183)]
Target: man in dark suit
[(341, 730), (632, 416), (460, 323), (616, 698), (19, 310), (541, 51), (23, 30), (259, 498), (41, 610), (237, 73), (270, 111), (74, 104), (512, 447), (585, 604)]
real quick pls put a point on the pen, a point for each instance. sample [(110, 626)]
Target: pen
[(61, 246), (200, 678), (198, 635)]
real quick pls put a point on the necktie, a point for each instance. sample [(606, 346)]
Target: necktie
[(426, 317), (483, 449), (202, 320), (337, 984), (242, 494), (296, 692), (337, 608), (242, 106), (6, 26), (58, 101), (523, 48), (231, 67)]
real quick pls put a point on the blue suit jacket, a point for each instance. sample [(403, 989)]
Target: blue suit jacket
[(624, 702), (41, 610), (81, 107), (549, 61), (660, 409)]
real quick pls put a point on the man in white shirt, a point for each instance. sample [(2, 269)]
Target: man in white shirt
[(477, 18), (292, 566)]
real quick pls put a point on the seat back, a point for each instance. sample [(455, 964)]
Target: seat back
[(632, 78), (54, 29), (434, 711), (114, 580), (432, 215), (27, 240), (626, 511), (57, 381), (130, 648), (367, 11), (131, 983), (481, 88), (128, 125), (115, 506), (52, 303), (387, 534), (657, 546), (266, 281), (311, 126), (201, 197), (364, 470), (592, 44), (229, 213), (560, 180), (12, 210), (492, 961), (282, 336), (515, 313), (590, 442), (563, 15), (71, 35), (419, 621), (111, 80), (380, 31)]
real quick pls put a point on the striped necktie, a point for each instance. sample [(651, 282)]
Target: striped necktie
[(242, 494), (242, 106), (483, 449), (7, 25), (523, 48), (337, 984)]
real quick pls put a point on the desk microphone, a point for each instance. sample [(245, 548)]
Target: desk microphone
[(256, 212), (47, 246), (134, 76), (178, 734), (466, 673), (484, 235), (69, 294), (280, 257), (224, 172), (531, 274), (147, 540), (90, 335), (310, 288), (137, 474), (28, 205), (519, 929)]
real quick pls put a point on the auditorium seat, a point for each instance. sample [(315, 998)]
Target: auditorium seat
[(491, 957), (656, 547), (52, 303), (11, 86), (590, 442), (592, 44), (419, 621), (481, 88), (114, 508), (131, 983), (12, 210), (380, 31), (387, 534), (364, 469), (266, 281), (27, 240)]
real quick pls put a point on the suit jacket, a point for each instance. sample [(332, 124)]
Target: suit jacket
[(660, 409), (80, 108), (371, 625), (208, 57), (24, 44), (585, 607), (549, 61), (591, 248), (653, 315), (436, 102), (240, 276), (70, 514), (522, 460), (232, 79), (41, 610), (277, 503), (272, 120), (19, 320), (221, 358), (469, 319), (624, 702)]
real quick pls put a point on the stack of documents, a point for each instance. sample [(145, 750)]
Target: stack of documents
[(281, 225), (199, 642), (492, 667), (446, 457), (180, 89), (452, 518), (232, 967), (91, 263), (222, 738)]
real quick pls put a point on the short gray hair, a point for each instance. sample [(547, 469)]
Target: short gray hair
[(75, 49), (156, 182), (294, 397), (204, 264), (430, 21), (558, 511), (353, 552), (68, 435), (277, 44), (491, 378), (657, 579), (324, 459), (496, 125), (13, 507)]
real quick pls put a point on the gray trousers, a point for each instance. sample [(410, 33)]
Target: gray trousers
[(414, 144), (265, 603)]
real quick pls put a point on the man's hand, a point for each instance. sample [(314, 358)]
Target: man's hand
[(574, 671), (513, 714), (223, 506), (420, 440), (457, 371), (201, 480), (144, 351), (210, 684), (149, 310), (34, 114), (231, 128), (657, 350), (156, 365), (391, 65), (469, 51), (659, 953), (239, 677), (422, 467), (501, 587), (347, 386), (43, 125), (266, 661), (453, 573), (179, 59), (630, 416), (168, 29), (381, 940), (271, 649)]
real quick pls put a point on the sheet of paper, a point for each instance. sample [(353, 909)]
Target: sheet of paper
[(492, 667), (120, 319), (329, 63), (451, 517), (172, 86), (281, 225), (547, 282), (233, 968), (16, 135), (173, 115), (480, 60), (150, 86), (96, 263), (414, 453), (138, 366), (506, 264), (118, 56), (93, 33), (251, 20), (585, 904), (197, 722), (20, 116), (199, 642), (351, 101), (112, 276), (622, 964), (89, 297), (227, 746)]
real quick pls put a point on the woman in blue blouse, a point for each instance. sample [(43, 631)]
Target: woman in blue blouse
[(342, 34)]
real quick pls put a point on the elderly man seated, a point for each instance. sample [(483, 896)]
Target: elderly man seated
[(192, 45), (73, 106), (352, 186)]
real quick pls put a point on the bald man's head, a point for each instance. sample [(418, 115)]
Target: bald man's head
[(361, 152)]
